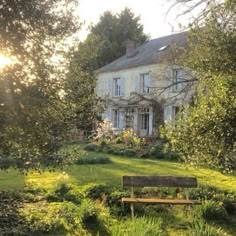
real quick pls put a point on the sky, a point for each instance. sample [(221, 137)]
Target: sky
[(153, 14)]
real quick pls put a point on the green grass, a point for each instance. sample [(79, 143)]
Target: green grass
[(111, 174)]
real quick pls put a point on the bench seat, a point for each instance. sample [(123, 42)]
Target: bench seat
[(161, 201)]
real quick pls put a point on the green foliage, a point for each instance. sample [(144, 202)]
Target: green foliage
[(93, 160), (211, 211), (91, 147), (52, 217), (139, 226), (130, 138), (97, 191), (114, 31), (114, 202), (33, 114), (201, 228), (205, 132)]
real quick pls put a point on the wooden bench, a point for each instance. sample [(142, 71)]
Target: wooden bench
[(158, 181)]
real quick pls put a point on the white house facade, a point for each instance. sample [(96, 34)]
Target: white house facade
[(143, 89)]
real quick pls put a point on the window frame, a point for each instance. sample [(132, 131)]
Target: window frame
[(145, 83), (177, 77), (116, 118), (144, 118), (117, 87)]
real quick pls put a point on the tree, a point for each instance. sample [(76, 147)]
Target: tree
[(114, 31), (205, 132), (32, 112)]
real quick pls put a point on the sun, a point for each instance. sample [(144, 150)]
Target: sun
[(5, 61)]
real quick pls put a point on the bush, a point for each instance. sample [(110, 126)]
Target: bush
[(129, 152), (52, 218), (88, 212), (213, 211), (203, 229), (97, 191), (139, 226), (95, 217), (91, 147), (130, 138), (229, 206), (115, 204), (93, 160)]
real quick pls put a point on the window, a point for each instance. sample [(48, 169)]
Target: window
[(117, 87), (144, 112), (116, 119), (145, 83), (177, 79)]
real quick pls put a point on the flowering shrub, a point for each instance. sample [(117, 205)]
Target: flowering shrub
[(105, 132), (130, 138)]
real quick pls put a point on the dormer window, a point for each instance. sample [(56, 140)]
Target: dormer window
[(145, 83)]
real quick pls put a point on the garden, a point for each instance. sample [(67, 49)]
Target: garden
[(85, 198)]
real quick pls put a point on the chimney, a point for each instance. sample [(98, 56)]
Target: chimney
[(130, 46)]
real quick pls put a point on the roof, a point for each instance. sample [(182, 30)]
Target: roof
[(149, 53)]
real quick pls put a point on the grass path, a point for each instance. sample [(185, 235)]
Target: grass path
[(112, 173)]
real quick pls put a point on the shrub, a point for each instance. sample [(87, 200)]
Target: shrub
[(52, 218), (115, 204), (88, 212), (129, 152), (203, 229), (130, 138), (105, 132), (91, 147), (229, 206), (211, 210), (93, 160), (97, 191), (139, 226), (74, 195)]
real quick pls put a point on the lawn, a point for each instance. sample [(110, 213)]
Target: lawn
[(112, 173)]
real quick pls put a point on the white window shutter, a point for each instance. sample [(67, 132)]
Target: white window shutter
[(110, 87), (122, 119), (151, 83), (168, 76), (136, 83), (109, 115), (122, 86), (150, 122), (167, 114)]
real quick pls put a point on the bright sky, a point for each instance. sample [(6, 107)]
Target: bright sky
[(152, 12)]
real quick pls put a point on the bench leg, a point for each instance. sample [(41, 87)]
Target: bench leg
[(132, 210)]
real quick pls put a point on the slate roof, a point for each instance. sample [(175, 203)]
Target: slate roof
[(148, 53)]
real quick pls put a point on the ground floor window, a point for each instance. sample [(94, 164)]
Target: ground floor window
[(144, 118), (116, 118), (129, 118)]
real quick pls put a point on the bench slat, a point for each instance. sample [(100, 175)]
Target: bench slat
[(160, 201), (160, 181)]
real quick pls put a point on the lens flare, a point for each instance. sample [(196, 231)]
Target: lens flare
[(5, 61)]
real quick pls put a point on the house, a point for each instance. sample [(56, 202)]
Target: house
[(145, 88)]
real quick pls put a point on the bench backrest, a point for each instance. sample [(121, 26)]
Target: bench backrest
[(159, 181)]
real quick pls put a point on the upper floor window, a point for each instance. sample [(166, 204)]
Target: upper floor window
[(117, 87), (177, 79), (145, 83)]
